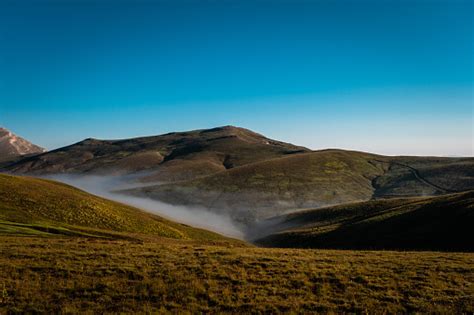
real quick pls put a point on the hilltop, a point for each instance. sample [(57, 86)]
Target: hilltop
[(422, 223), (169, 157), (32, 206)]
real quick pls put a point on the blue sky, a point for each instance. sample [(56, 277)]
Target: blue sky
[(392, 77)]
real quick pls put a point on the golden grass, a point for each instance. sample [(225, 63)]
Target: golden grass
[(80, 275)]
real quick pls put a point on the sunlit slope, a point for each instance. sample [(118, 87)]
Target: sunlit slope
[(316, 179), (433, 223), (37, 206)]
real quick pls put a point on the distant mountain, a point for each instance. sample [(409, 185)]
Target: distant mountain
[(422, 223), (12, 146), (170, 157)]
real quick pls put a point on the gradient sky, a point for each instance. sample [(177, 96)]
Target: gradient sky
[(391, 77)]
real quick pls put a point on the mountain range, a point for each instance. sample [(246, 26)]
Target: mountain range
[(253, 179)]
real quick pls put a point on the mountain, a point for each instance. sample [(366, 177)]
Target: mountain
[(315, 179), (32, 206), (244, 174), (433, 223), (170, 157), (13, 146)]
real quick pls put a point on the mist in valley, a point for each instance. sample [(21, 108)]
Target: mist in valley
[(107, 187)]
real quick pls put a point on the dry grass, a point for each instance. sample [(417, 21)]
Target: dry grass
[(80, 275)]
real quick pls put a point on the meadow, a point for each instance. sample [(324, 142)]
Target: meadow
[(148, 274)]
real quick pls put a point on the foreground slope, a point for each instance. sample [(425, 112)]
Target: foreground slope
[(169, 157), (315, 179), (44, 207), (435, 223)]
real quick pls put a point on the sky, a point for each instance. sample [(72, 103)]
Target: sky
[(390, 77)]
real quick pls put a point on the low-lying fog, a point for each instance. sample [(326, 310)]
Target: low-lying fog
[(198, 217)]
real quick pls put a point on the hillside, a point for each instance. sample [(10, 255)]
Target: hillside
[(13, 146), (316, 179), (31, 206), (243, 174), (429, 223), (169, 157)]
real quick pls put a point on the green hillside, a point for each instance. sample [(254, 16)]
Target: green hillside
[(310, 180), (430, 223), (44, 207)]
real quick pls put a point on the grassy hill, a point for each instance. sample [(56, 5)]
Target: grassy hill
[(31, 206), (239, 172), (434, 223), (169, 157), (309, 180)]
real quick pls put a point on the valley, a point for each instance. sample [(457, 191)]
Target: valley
[(98, 227), (418, 223), (238, 173)]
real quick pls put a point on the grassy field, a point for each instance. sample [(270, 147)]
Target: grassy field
[(80, 275), (423, 223)]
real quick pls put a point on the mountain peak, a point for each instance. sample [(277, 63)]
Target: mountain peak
[(12, 145)]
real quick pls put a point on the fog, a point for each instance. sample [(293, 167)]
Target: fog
[(105, 186)]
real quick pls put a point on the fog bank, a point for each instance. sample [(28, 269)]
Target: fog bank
[(105, 186)]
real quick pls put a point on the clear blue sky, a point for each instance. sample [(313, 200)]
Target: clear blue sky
[(392, 77)]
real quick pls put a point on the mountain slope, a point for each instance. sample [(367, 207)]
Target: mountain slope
[(237, 171), (263, 189), (12, 146), (30, 206), (309, 180), (169, 157), (435, 223)]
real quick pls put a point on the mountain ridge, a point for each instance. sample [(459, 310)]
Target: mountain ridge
[(213, 149), (236, 171)]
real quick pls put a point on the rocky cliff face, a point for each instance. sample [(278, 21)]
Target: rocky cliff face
[(12, 145)]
